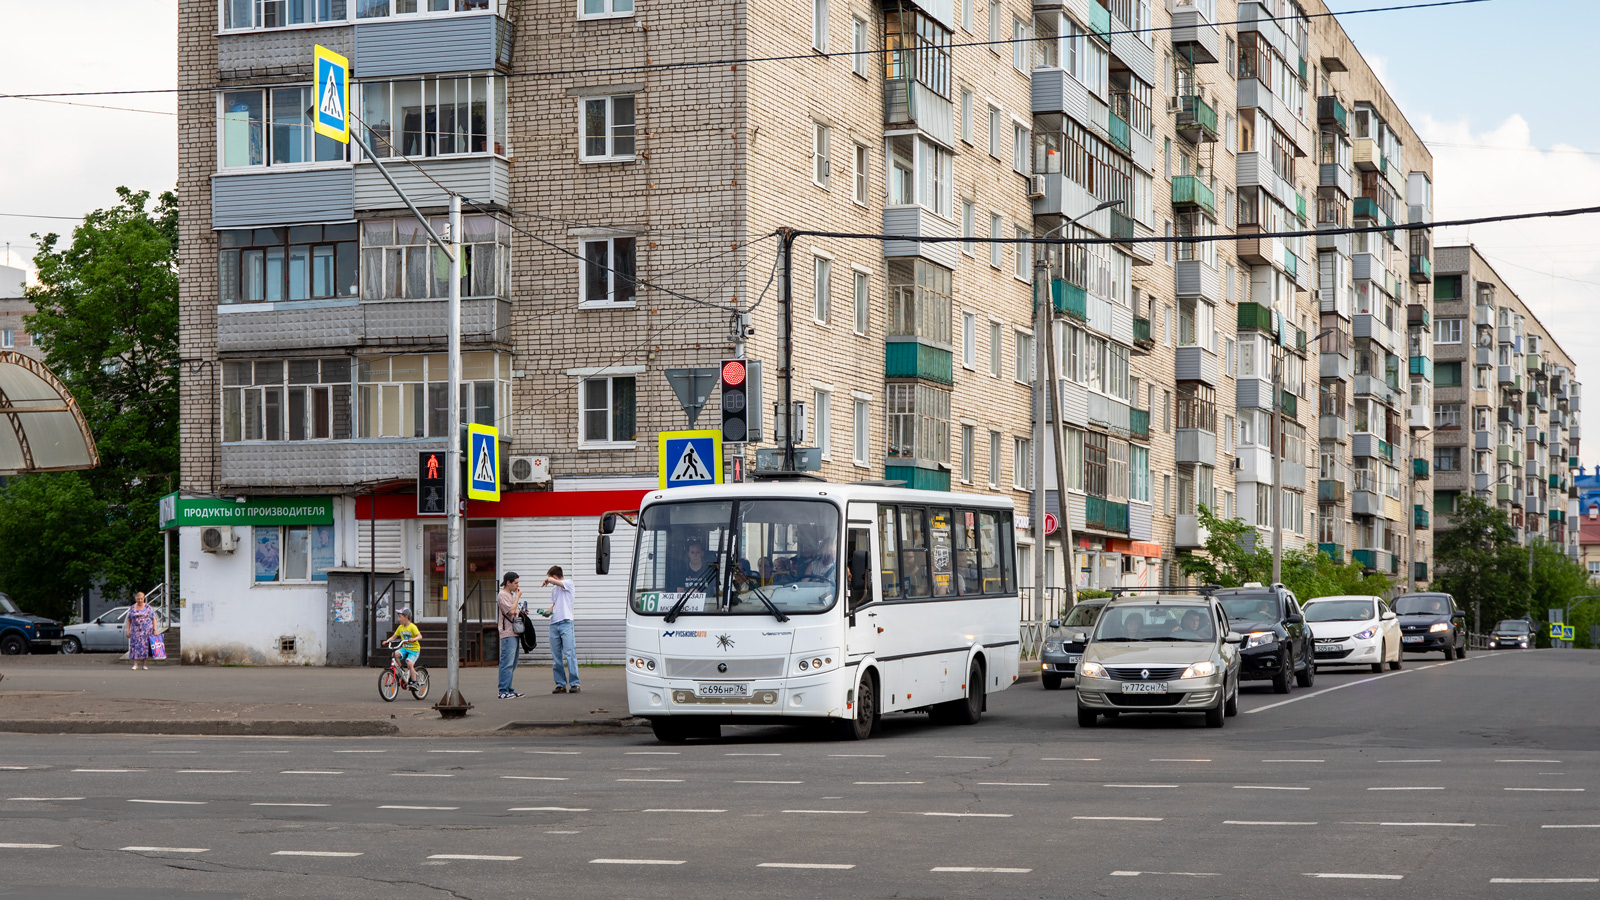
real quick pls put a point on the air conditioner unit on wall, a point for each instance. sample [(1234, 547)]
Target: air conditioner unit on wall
[(218, 539), (530, 469), (1035, 187)]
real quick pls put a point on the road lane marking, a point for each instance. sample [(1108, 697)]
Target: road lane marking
[(965, 815), (209, 771), (1069, 759), (1431, 824), (548, 809), (885, 782), (310, 772), (475, 856), (1339, 687), (805, 865), (963, 757), (1548, 790), (173, 752), (1543, 880), (1140, 785), (1294, 760), (984, 869), (434, 808), (1261, 822), (99, 771), (653, 753), (769, 782), (855, 756), (685, 810), (1541, 826), (533, 778), (421, 775), (563, 832), (172, 802), (1180, 760), (339, 854), (165, 849), (636, 862), (28, 846), (1410, 760), (556, 752), (42, 799), (1358, 875), (1121, 818), (1527, 760), (653, 780), (1127, 874), (752, 754), (1409, 789), (361, 751), (20, 768), (1013, 784), (827, 812), (1267, 787), (455, 751), (292, 804), (258, 752)]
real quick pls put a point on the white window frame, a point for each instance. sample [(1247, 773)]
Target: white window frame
[(611, 273), (610, 10), (821, 287), (1022, 464), (995, 461), (969, 225), (611, 127), (863, 173), (821, 155), (996, 118), (861, 297), (819, 25), (969, 448), (1022, 348), (860, 433), (994, 27), (969, 340), (1444, 324), (1021, 140), (8, 338), (861, 61), (996, 351), (996, 249), (967, 101), (822, 419), (1019, 266), (610, 407)]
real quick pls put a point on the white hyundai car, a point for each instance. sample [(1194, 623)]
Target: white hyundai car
[(1354, 631)]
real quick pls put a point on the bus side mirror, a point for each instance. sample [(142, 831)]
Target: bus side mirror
[(602, 555), (859, 560), (608, 524)]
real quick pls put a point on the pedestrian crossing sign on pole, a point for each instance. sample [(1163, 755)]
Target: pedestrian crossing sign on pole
[(690, 458), (483, 463), (332, 94)]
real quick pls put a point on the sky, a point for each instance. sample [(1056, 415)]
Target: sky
[(1494, 88)]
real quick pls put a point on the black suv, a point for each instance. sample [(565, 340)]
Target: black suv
[(1060, 657), (1277, 644), (1431, 622)]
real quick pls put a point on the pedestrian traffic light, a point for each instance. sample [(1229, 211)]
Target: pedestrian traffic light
[(735, 408)]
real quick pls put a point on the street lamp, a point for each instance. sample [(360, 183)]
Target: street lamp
[(1044, 357), (1276, 443)]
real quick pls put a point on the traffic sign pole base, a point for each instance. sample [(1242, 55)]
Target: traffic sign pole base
[(453, 705)]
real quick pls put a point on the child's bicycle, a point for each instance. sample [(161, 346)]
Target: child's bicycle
[(390, 682)]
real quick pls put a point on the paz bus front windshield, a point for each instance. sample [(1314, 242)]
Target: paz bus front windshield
[(730, 556)]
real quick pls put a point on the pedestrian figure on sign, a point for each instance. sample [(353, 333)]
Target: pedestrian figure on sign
[(563, 652), (141, 622)]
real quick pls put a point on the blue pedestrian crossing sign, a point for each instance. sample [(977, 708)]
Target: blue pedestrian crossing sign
[(332, 94), (1569, 632), (1556, 630), (690, 458), (483, 463)]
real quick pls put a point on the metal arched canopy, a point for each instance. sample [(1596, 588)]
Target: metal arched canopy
[(41, 427)]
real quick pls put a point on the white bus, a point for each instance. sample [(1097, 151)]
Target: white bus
[(754, 603)]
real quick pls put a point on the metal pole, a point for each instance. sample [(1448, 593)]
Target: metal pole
[(1411, 520), (1276, 445), (1060, 441), (788, 350), (1042, 298), (453, 705), (166, 572)]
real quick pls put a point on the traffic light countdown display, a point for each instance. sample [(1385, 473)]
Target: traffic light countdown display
[(735, 405)]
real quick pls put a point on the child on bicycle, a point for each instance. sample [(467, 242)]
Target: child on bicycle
[(411, 647)]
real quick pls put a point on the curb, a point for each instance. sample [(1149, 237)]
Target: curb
[(613, 726), (209, 727)]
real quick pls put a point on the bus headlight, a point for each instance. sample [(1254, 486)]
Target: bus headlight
[(641, 664)]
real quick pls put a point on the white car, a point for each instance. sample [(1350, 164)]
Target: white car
[(1354, 630)]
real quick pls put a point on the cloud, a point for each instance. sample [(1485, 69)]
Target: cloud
[(1552, 264)]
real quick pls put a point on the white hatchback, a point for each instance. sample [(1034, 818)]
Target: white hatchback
[(1354, 630)]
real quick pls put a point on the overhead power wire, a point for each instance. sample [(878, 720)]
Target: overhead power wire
[(813, 54)]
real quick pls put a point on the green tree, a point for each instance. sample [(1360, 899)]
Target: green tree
[(1480, 563), (107, 320), (50, 526), (1236, 555)]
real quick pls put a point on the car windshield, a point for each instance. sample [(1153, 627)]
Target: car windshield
[(7, 607), (1155, 622), (1083, 615), (1422, 605), (1514, 625), (735, 557), (1250, 607), (1338, 610)]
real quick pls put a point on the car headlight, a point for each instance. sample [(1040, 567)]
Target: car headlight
[(1091, 670), (1258, 639), (1202, 669), (641, 663), (1367, 635), (1440, 626), (1052, 646)]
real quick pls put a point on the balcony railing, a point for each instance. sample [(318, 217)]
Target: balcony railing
[(1142, 334), (1189, 190), (1291, 264), (1300, 205), (1368, 559), (1290, 404), (1101, 514), (1117, 128), (1100, 24), (1419, 571), (1386, 450), (1068, 298), (1197, 119), (1419, 468), (1139, 423), (1419, 516), (1121, 227), (1334, 551), (1421, 270), (1331, 112), (1254, 315)]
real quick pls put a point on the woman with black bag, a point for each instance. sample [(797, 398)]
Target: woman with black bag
[(512, 618)]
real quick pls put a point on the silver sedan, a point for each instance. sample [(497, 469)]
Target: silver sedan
[(1160, 654)]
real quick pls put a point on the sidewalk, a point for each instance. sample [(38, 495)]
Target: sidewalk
[(99, 694)]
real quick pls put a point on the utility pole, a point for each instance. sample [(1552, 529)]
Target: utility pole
[(1058, 433), (1042, 300), (453, 705), (1411, 513), (1276, 445), (786, 298)]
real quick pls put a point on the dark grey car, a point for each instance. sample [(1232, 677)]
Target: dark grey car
[(1061, 653)]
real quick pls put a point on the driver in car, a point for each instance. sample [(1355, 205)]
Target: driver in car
[(1189, 625)]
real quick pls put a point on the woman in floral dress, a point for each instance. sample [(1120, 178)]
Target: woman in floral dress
[(141, 622)]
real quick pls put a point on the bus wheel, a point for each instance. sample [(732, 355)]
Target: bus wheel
[(669, 731), (866, 718), (969, 709)]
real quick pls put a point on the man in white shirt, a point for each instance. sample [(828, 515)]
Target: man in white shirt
[(563, 652)]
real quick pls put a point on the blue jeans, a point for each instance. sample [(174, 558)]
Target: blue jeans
[(563, 654), (509, 648)]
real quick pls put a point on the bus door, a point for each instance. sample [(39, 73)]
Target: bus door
[(862, 590)]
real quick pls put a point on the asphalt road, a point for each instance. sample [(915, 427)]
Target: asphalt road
[(1476, 778)]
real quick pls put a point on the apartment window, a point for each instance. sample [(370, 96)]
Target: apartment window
[(1447, 374), (1229, 55), (1231, 135), (821, 154), (822, 416), (1166, 248), (238, 15), (1139, 474), (1447, 415), (860, 62), (862, 170), (858, 432), (995, 124), (1020, 142), (919, 173), (1020, 257), (261, 401), (1447, 331), (272, 128), (1228, 432), (1228, 367), (602, 9), (968, 449), (369, 9), (822, 289), (408, 396), (1166, 411), (1022, 371), (919, 300), (400, 262), (607, 128), (918, 422), (969, 214), (8, 338), (819, 25), (994, 349), (1447, 459), (440, 116), (862, 302), (969, 340), (995, 34), (995, 247), (608, 270), (270, 265), (607, 413), (1022, 464), (966, 14), (966, 115), (1166, 494), (994, 459), (1021, 47)]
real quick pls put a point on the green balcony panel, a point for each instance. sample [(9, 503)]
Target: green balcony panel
[(1421, 269), (1419, 571), (1291, 263), (1197, 113), (1121, 226), (1572, 462), (917, 477), (1386, 450), (1291, 404), (1302, 68), (1068, 298), (1394, 564), (1117, 128), (1300, 205), (1419, 515), (1331, 111), (1188, 190), (1555, 482), (1335, 552), (1101, 514), (1558, 515), (1367, 558), (1141, 331), (1100, 21), (1422, 365), (1300, 339), (1502, 493), (914, 359), (1419, 468), (1330, 490), (1254, 315), (1139, 422)]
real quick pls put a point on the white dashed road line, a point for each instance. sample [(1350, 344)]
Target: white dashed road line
[(42, 799), (28, 846), (1013, 784), (310, 772), (653, 780), (548, 809), (1527, 760), (1179, 760), (1127, 874), (1550, 790), (981, 869), (1258, 822), (105, 771), (883, 782), (361, 751), (1541, 826), (636, 862), (422, 775), (684, 810), (1267, 787), (172, 802), (827, 812), (209, 772), (653, 753), (1543, 880), (966, 815), (1294, 760), (1140, 785), (805, 865), (1410, 760), (340, 854), (855, 756), (533, 778), (455, 751), (1361, 876), (292, 804), (475, 856), (1408, 789), (769, 782), (963, 757), (752, 754), (1121, 818), (430, 808), (556, 752), (165, 849), (1431, 824), (1069, 759)]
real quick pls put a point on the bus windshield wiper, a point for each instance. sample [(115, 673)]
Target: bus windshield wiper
[(699, 586), (767, 601)]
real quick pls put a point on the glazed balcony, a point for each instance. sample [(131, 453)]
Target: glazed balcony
[(1194, 37)]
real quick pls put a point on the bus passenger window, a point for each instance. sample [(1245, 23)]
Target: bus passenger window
[(889, 555), (914, 576), (940, 525), (1008, 562), (989, 552), (966, 549)]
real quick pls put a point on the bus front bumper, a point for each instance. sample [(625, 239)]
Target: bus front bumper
[(814, 696)]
